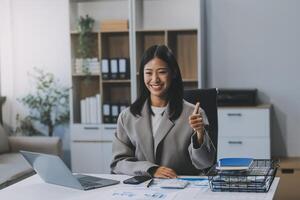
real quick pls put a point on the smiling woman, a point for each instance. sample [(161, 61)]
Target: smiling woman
[(157, 78), (161, 135)]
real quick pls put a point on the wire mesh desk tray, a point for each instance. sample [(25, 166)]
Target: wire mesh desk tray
[(258, 178)]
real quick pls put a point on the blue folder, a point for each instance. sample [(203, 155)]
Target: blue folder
[(234, 163)]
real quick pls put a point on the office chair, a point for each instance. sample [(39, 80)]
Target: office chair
[(208, 102)]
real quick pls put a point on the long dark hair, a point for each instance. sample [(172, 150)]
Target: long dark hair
[(175, 91)]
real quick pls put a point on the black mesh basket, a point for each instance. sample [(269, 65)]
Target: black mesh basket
[(258, 178)]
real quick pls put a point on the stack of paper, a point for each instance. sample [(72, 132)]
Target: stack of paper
[(91, 65), (90, 110)]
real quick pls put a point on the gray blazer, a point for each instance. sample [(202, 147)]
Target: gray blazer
[(135, 150)]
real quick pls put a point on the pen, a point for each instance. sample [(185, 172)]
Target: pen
[(150, 182)]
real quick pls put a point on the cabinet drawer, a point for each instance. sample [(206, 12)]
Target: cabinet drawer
[(244, 122), (85, 132), (258, 148), (108, 132), (288, 187)]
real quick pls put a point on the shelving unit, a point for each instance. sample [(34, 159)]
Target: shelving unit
[(115, 45), (91, 143), (83, 87)]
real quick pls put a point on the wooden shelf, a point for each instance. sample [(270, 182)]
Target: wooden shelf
[(85, 75), (116, 81), (77, 32), (145, 39), (184, 46), (83, 87), (116, 93), (114, 45), (115, 31)]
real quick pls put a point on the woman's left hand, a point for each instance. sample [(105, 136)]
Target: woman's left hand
[(196, 122)]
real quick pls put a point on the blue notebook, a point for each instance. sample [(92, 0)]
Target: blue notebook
[(234, 163)]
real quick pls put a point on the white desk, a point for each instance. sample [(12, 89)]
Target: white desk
[(33, 188)]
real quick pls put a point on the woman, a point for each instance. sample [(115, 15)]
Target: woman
[(160, 134)]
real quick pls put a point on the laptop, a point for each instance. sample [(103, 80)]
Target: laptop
[(53, 170)]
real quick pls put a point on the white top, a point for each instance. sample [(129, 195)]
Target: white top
[(33, 188), (156, 118)]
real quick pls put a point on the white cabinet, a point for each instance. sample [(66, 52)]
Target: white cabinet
[(244, 132), (91, 148)]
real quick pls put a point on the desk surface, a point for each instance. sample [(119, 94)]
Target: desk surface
[(34, 188)]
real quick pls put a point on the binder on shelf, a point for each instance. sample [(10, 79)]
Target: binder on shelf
[(105, 71), (234, 163), (114, 68), (114, 113), (123, 68), (106, 113)]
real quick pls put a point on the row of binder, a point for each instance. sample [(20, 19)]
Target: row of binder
[(91, 111), (111, 112), (115, 68)]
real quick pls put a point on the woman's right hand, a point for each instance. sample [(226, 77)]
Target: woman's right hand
[(165, 172)]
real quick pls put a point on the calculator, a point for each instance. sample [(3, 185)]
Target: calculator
[(174, 184)]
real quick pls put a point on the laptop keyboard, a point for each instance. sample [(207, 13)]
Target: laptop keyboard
[(87, 184), (89, 181), (90, 178)]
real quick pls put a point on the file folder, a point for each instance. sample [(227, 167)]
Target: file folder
[(105, 69), (123, 68), (234, 163), (114, 69), (106, 113), (114, 113)]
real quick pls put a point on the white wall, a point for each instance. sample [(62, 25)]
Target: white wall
[(35, 33), (6, 62), (256, 43)]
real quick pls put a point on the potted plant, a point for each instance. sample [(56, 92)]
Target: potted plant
[(85, 27), (48, 104)]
